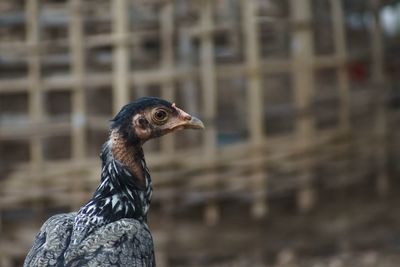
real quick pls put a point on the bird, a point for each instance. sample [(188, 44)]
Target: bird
[(111, 228)]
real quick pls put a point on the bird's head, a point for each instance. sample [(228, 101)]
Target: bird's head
[(151, 117)]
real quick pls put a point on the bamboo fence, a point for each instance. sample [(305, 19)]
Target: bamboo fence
[(288, 107)]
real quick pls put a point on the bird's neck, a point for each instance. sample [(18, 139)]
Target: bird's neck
[(125, 177), (125, 190), (130, 155)]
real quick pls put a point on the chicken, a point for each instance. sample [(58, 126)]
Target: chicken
[(111, 229)]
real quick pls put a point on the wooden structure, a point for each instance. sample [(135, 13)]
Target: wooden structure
[(293, 100)]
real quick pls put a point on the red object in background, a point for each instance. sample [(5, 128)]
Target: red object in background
[(358, 71)]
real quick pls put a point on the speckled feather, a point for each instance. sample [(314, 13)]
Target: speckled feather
[(110, 230), (117, 197), (126, 242), (51, 241)]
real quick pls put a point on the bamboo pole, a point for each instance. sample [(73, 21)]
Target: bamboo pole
[(190, 92), (207, 74), (167, 142), (36, 102), (208, 82), (342, 59), (378, 79), (185, 73), (167, 64), (78, 98), (121, 54), (34, 78), (252, 54), (78, 71), (303, 80), (339, 35), (254, 102)]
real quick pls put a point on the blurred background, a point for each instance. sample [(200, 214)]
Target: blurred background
[(301, 99)]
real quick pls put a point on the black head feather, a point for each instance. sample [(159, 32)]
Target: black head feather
[(128, 111), (123, 120)]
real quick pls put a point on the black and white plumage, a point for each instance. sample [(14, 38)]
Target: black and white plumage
[(111, 229)]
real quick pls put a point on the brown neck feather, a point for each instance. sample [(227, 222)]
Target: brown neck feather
[(130, 156)]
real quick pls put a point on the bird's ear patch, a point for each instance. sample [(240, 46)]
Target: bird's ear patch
[(141, 127)]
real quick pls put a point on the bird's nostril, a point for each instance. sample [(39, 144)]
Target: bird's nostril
[(188, 117)]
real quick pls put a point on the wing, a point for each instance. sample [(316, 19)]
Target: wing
[(51, 241), (126, 242)]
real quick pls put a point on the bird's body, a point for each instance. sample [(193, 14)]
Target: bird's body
[(111, 229), (126, 242)]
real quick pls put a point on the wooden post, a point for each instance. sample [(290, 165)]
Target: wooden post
[(207, 76), (190, 92), (78, 71), (341, 55), (303, 81), (120, 54), (167, 64), (36, 111), (252, 54), (168, 141), (34, 77), (378, 80), (339, 35), (186, 58), (254, 102), (78, 100)]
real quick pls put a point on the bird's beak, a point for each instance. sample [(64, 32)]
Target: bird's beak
[(194, 123), (185, 121), (189, 122)]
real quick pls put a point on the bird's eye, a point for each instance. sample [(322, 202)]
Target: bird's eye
[(160, 116)]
